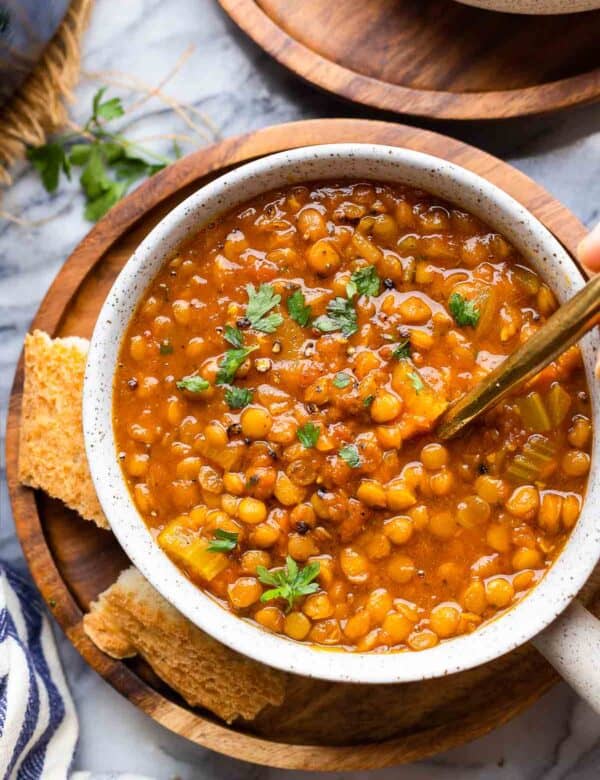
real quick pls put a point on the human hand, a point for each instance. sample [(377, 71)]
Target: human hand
[(588, 250)]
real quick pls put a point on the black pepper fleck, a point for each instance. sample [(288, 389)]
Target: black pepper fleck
[(302, 528), (234, 429), (482, 468), (132, 383), (243, 323), (388, 283)]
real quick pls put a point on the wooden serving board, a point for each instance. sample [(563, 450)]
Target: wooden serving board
[(321, 726), (431, 58)]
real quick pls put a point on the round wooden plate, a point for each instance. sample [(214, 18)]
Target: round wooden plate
[(430, 58), (321, 726)]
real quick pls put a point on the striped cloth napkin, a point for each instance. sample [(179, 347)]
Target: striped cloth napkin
[(38, 723)]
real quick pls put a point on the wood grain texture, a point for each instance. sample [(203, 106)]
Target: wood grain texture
[(430, 58), (322, 726)]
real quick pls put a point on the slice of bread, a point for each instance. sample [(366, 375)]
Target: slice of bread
[(51, 451), (131, 617)]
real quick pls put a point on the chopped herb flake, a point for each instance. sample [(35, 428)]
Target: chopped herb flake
[(193, 384), (416, 381), (234, 336), (368, 400), (308, 435), (238, 397), (231, 362), (166, 348), (365, 281), (223, 541), (349, 453), (260, 302), (341, 380), (298, 309), (402, 350), (290, 583), (464, 312), (341, 315)]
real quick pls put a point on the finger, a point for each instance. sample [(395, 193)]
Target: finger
[(588, 250)]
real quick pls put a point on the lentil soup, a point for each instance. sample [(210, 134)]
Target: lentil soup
[(274, 408)]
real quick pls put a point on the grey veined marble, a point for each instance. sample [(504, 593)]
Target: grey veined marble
[(239, 88)]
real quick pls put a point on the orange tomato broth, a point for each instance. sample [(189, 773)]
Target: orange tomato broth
[(399, 541)]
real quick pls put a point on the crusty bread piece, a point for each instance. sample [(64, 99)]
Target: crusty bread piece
[(131, 617), (51, 451)]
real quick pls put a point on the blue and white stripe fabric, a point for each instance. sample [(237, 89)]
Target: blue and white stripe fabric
[(38, 724)]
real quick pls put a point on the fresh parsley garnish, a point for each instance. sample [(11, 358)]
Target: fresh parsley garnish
[(416, 381), (349, 453), (231, 362), (193, 384), (238, 397), (298, 309), (368, 400), (464, 312), (223, 541), (260, 302), (308, 435), (165, 348), (234, 336), (401, 350), (365, 281), (289, 583), (110, 163), (341, 380), (341, 315)]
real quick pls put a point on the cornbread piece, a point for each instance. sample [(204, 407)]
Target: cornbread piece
[(131, 617), (51, 451)]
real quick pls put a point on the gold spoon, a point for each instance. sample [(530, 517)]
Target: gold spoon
[(566, 326)]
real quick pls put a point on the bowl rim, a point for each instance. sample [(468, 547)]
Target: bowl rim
[(528, 617)]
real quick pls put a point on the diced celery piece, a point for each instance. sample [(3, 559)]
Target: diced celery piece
[(558, 403), (533, 413)]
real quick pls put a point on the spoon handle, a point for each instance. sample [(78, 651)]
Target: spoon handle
[(566, 326)]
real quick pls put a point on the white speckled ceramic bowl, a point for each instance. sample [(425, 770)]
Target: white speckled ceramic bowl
[(351, 161), (535, 7)]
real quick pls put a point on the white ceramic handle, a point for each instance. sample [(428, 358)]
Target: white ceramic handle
[(572, 645)]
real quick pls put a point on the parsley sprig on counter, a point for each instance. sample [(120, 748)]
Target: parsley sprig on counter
[(260, 303), (289, 583), (110, 163)]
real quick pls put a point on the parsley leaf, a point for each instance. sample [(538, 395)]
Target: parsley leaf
[(111, 163), (231, 362), (349, 453), (165, 348), (297, 308), (259, 304), (368, 400), (308, 435), (234, 336), (341, 380), (193, 384), (365, 281), (341, 315), (289, 583), (223, 541), (238, 397), (49, 160), (109, 109), (464, 312), (402, 350), (416, 381)]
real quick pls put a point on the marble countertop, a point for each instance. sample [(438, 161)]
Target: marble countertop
[(238, 88)]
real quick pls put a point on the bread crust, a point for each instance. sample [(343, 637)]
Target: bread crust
[(51, 450), (132, 617)]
